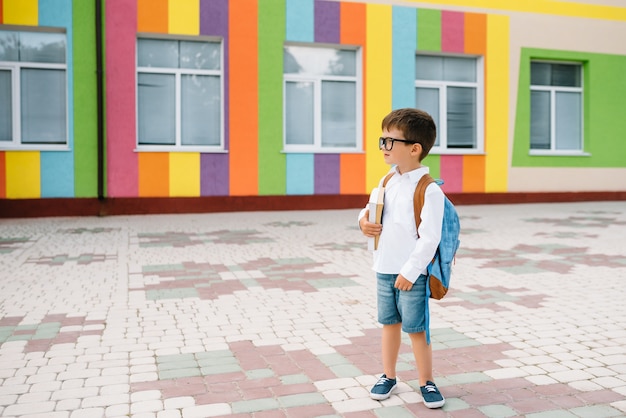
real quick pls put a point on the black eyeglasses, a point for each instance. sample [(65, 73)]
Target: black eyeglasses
[(387, 143)]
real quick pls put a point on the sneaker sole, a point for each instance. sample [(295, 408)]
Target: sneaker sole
[(382, 396), (435, 405)]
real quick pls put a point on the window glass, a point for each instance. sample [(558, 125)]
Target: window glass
[(338, 114), (540, 120), (540, 74), (321, 95), (448, 88), (157, 109), (428, 67), (201, 110), (547, 74), (43, 106), (459, 69), (200, 55), (556, 101), (566, 75), (427, 99), (179, 97), (9, 46), (568, 117), (6, 117), (319, 61), (42, 47), (157, 53), (33, 89), (299, 117), (461, 117)]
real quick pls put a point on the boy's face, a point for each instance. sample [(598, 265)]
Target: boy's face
[(404, 155)]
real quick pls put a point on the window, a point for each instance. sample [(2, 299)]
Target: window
[(179, 94), (33, 89), (555, 107), (322, 99), (450, 88)]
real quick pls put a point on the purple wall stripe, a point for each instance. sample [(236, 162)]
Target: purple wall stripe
[(327, 21), (214, 177), (327, 29), (327, 175)]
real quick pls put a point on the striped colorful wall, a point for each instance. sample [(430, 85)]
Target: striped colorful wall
[(253, 40), (42, 174)]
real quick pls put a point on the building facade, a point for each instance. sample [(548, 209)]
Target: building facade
[(184, 105)]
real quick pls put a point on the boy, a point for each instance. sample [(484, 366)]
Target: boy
[(403, 253)]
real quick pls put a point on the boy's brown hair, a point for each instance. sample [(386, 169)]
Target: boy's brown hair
[(416, 125)]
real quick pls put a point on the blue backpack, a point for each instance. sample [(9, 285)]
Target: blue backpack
[(440, 269)]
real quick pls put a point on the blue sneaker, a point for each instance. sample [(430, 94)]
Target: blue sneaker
[(383, 388), (432, 397)]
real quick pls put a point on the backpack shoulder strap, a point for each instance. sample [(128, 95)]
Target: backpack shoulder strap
[(418, 198), (387, 177)]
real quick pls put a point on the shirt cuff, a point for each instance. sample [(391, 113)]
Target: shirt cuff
[(411, 273)]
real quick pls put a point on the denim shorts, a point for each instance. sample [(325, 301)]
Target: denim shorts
[(399, 306)]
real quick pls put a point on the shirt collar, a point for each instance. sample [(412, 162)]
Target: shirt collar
[(415, 175)]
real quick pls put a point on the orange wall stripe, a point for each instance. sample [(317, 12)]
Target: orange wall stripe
[(1, 13), (475, 43), (352, 31), (152, 16), (3, 165), (473, 173), (154, 174), (243, 100), (475, 33)]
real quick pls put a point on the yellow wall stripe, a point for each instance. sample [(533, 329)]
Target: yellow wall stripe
[(23, 173), (184, 17), (20, 12), (377, 87), (497, 104), (184, 174), (561, 8)]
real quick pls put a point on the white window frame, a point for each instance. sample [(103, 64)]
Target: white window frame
[(317, 80), (441, 86), (553, 90), (15, 68), (178, 73)]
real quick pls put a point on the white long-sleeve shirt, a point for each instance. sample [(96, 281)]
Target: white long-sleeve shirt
[(399, 249)]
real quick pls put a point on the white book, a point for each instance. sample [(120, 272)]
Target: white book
[(377, 198)]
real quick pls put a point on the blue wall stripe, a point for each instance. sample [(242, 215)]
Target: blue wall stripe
[(57, 167), (299, 16), (404, 45), (300, 169), (300, 27)]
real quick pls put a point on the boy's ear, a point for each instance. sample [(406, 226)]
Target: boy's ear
[(417, 148)]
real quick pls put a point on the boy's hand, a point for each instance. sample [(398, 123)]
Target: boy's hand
[(368, 228), (402, 283)]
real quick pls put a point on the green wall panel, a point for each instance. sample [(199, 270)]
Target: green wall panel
[(429, 30), (604, 122), (272, 163), (85, 103)]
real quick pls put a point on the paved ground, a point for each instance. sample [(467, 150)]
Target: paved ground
[(273, 315)]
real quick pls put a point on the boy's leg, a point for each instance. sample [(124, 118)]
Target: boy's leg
[(391, 341), (423, 354)]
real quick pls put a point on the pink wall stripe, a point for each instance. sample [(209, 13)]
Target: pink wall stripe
[(452, 31), (122, 165), (451, 170)]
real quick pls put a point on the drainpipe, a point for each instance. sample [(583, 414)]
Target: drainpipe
[(99, 94)]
